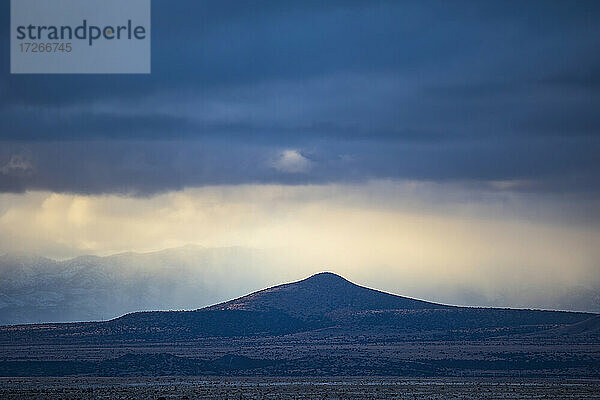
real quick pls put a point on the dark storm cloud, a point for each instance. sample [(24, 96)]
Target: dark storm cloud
[(442, 91), (147, 167)]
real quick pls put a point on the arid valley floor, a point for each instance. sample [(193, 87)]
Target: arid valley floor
[(297, 388)]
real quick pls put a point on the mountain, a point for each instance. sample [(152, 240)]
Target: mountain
[(324, 300), (321, 324), (322, 294), (327, 300)]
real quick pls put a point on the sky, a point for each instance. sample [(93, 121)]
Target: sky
[(454, 141)]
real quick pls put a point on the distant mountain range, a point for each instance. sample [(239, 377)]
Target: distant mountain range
[(36, 289)]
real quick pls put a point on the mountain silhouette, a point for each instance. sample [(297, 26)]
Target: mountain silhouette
[(324, 300), (322, 294)]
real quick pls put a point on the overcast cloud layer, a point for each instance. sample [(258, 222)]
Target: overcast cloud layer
[(503, 94)]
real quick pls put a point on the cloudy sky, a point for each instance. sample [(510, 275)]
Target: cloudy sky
[(429, 142)]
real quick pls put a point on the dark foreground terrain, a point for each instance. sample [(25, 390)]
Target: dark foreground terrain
[(294, 388)]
